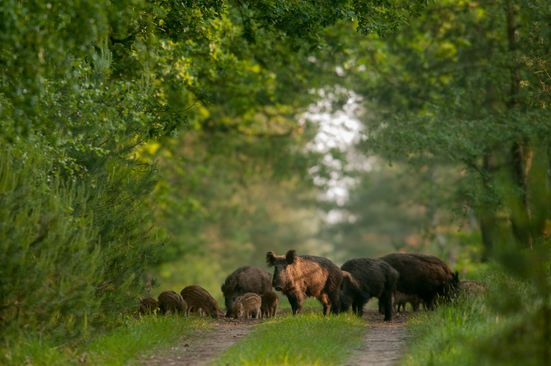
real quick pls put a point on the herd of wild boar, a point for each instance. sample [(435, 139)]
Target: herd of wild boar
[(395, 279)]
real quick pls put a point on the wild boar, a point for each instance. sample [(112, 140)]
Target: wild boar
[(247, 306), (471, 288), (364, 278), (299, 277), (423, 275), (242, 280), (199, 300), (172, 302), (148, 305), (270, 301), (401, 300)]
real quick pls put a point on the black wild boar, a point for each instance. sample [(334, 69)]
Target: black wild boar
[(247, 306), (199, 300), (299, 277), (401, 300), (148, 305), (423, 275), (364, 278), (172, 302), (270, 301), (242, 280)]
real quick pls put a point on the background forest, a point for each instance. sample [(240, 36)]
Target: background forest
[(150, 144)]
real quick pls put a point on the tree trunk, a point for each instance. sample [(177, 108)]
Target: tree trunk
[(521, 153)]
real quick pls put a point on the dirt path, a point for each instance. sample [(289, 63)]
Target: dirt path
[(204, 347), (383, 343)]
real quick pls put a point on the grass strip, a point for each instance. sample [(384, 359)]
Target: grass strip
[(307, 339), (136, 337)]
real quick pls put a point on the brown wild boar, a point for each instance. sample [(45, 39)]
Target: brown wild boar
[(299, 277), (364, 278), (199, 300), (247, 306), (471, 288), (148, 305), (401, 300), (423, 275), (172, 302), (270, 301), (242, 280)]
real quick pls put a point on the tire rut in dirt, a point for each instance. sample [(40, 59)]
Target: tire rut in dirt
[(201, 348), (383, 343)]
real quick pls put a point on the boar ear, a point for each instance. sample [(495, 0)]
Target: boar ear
[(270, 258), (455, 279), (347, 276), (291, 256)]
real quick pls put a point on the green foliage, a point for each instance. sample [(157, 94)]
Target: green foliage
[(300, 340), (74, 253)]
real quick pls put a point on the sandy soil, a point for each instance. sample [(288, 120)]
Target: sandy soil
[(203, 347), (384, 341)]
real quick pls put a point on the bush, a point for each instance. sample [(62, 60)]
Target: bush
[(73, 250)]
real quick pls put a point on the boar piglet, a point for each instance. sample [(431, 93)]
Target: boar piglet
[(401, 300), (299, 277), (247, 306), (242, 280), (148, 305), (172, 302), (200, 301), (365, 278), (270, 301), (471, 288)]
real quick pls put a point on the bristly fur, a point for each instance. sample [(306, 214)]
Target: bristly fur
[(365, 278), (302, 276), (423, 275), (242, 280)]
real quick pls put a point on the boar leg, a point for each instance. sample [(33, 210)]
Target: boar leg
[(387, 302), (358, 306), (296, 303), (324, 299), (335, 299)]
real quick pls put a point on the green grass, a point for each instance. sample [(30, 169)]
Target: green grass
[(134, 338), (447, 335), (307, 339), (504, 327)]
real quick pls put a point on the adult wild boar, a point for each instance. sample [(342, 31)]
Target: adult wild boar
[(242, 280), (299, 277), (364, 278), (423, 275)]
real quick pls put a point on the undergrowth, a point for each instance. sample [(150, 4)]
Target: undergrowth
[(133, 339)]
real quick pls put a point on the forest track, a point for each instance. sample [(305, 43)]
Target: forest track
[(383, 342), (203, 347)]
